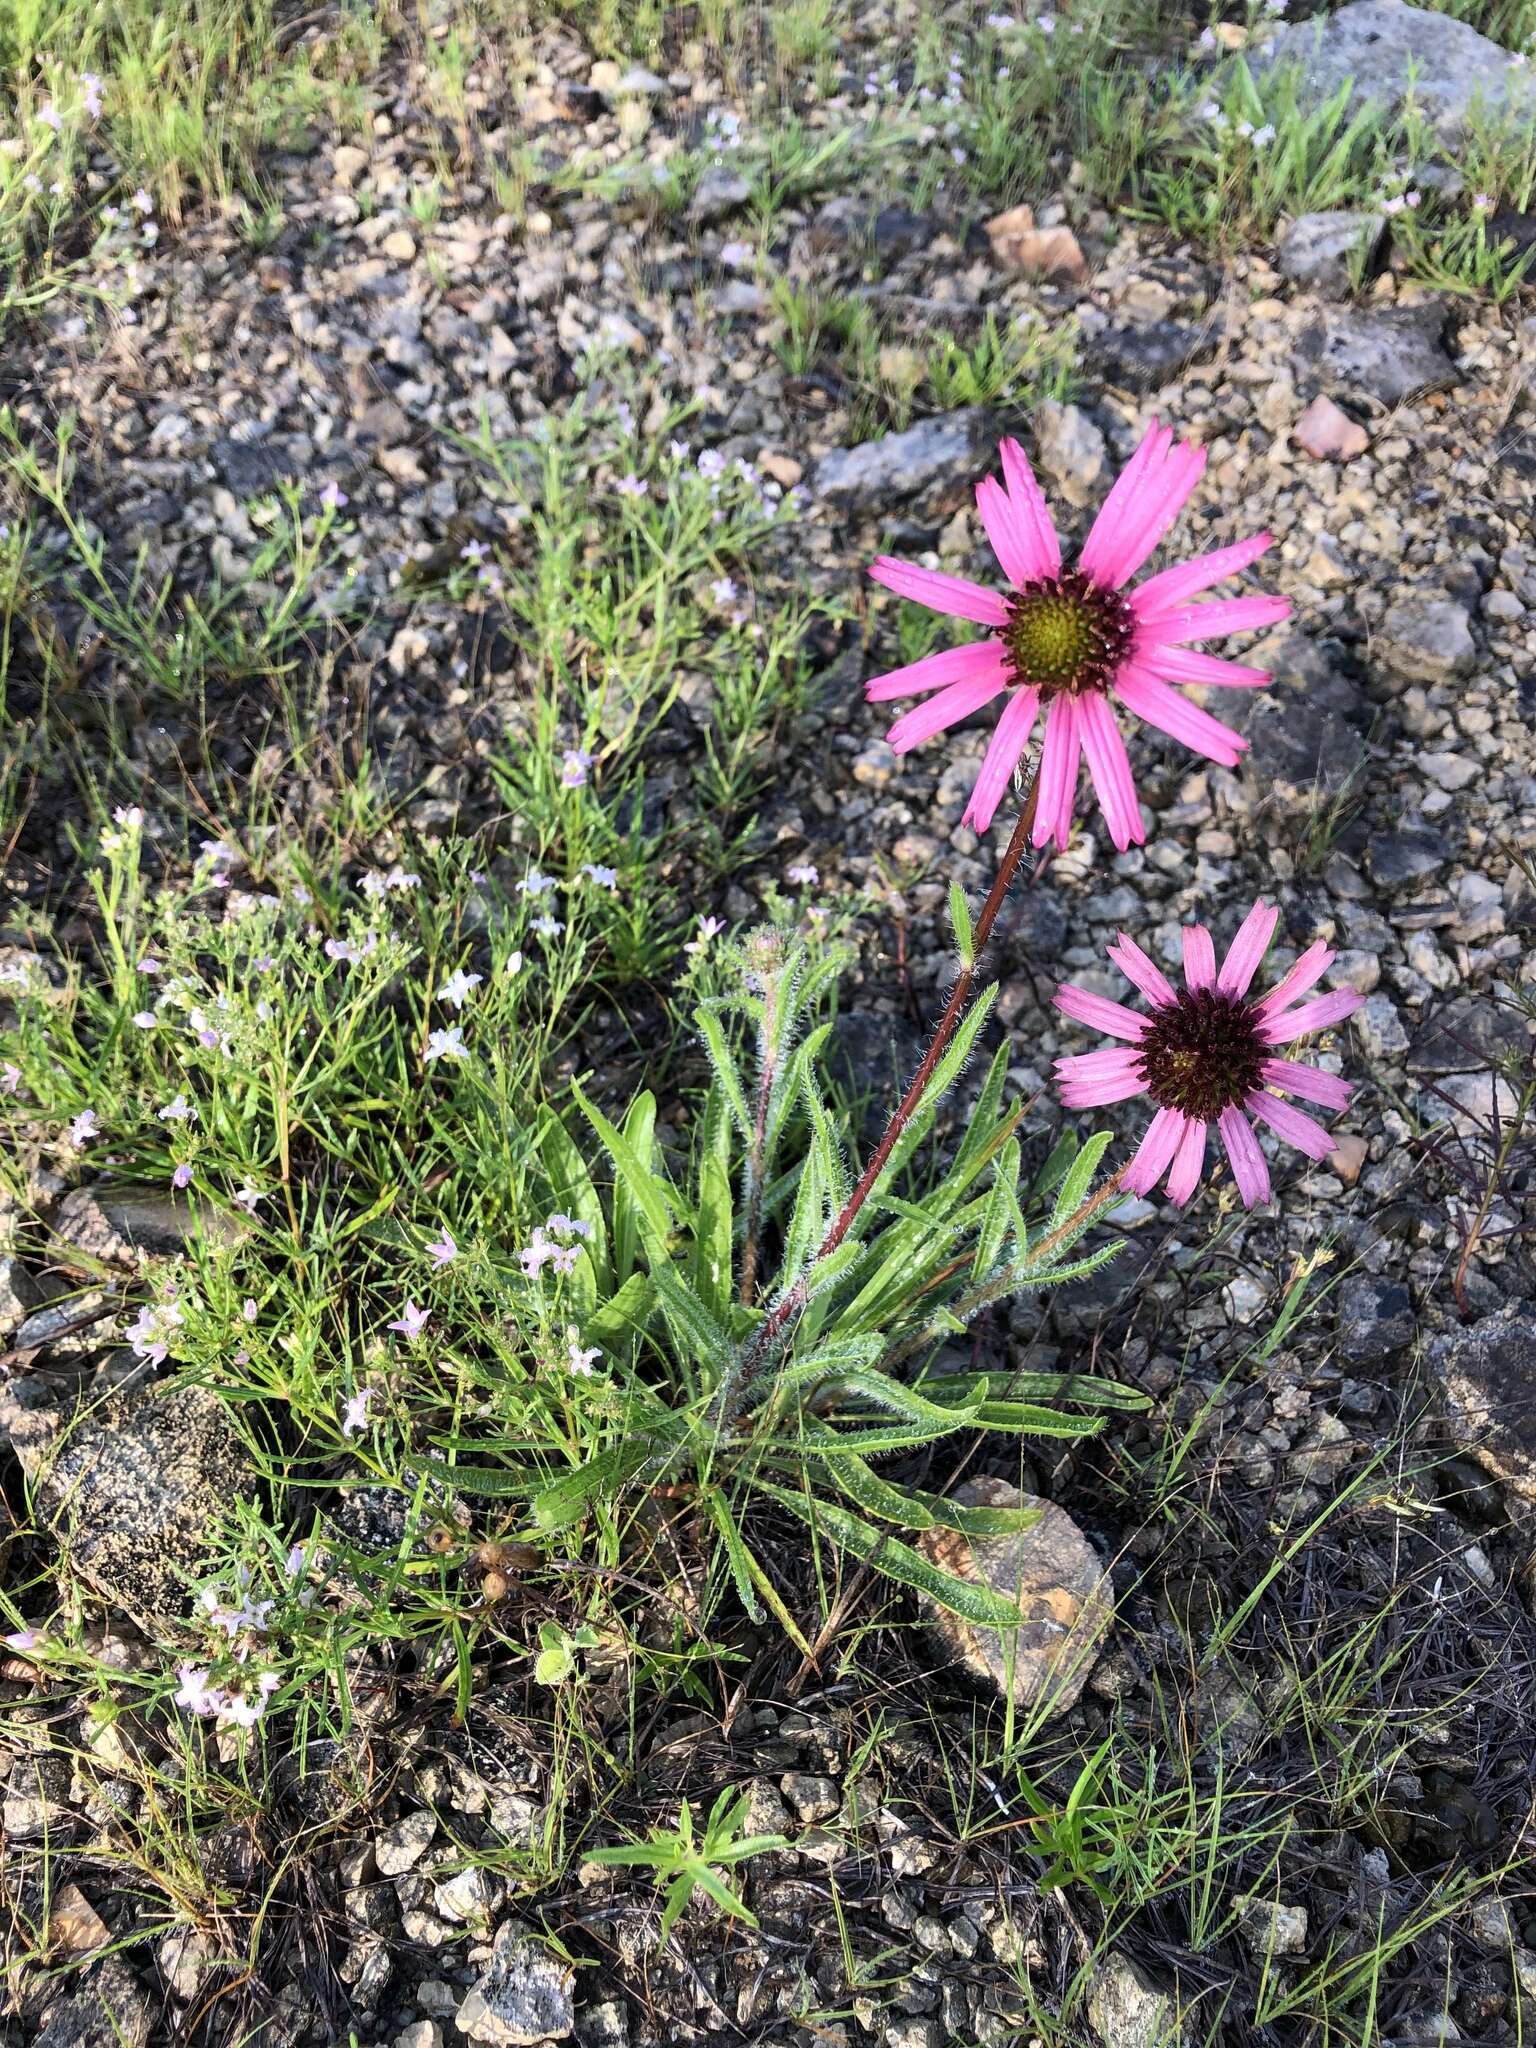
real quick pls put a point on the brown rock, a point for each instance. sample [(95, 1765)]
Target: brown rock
[(1049, 253), (782, 468), (75, 1928), (1348, 1157), (1062, 1590), (1326, 431)]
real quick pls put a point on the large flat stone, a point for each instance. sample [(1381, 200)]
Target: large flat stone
[(1381, 47)]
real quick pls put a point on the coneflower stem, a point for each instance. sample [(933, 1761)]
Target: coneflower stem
[(794, 1299)]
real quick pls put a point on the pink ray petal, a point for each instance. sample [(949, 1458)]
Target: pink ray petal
[(1058, 773), (944, 709), (1305, 970), (1293, 1124), (1188, 665), (1247, 950), (1099, 1013), (1109, 768), (1199, 957), (1187, 1162), (1098, 548), (1029, 503), (1080, 1094), (955, 596), (1137, 968), (1089, 1079), (1316, 1015), (1310, 1083), (1157, 505), (1191, 622), (1176, 716), (1155, 1153), (1011, 538), (1249, 1168), (1185, 579), (949, 665), (1005, 750)]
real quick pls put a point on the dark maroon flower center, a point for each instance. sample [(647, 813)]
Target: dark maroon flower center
[(1066, 633), (1202, 1053)]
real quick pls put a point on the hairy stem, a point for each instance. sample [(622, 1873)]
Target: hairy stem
[(790, 1303)]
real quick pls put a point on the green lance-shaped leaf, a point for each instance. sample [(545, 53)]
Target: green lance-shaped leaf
[(897, 1560), (960, 918)]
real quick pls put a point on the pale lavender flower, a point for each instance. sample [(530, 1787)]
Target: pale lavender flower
[(146, 1020), (679, 450), (804, 873), (567, 1226), (411, 1322), (457, 988), (711, 464), (632, 486), (514, 963), (24, 1639), (248, 1308), (536, 1254), (444, 1249), (10, 1078), (50, 116), (354, 1414), (547, 927), (178, 1111), (246, 1198), (447, 1044), (723, 591), (535, 884), (573, 769), (90, 94), (142, 201), (194, 1694), (244, 1710), (599, 876), (709, 928), (129, 816), (333, 497), (149, 965), (474, 551), (84, 1127), (581, 1361), (182, 1177)]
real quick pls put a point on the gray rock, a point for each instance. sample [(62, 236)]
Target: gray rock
[(1398, 859), (1129, 2009), (1466, 1037), (1304, 731), (1390, 355), (1426, 639), (402, 1846), (523, 1996), (107, 2008), (893, 230), (1380, 46), (1271, 1928), (947, 449), (718, 194), (112, 1224), (1071, 450), (813, 1798), (137, 1490), (252, 469), (1146, 358), (1062, 1589), (1375, 1318), (14, 1290), (1321, 250), (1488, 1377)]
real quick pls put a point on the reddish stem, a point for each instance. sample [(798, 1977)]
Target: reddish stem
[(794, 1298)]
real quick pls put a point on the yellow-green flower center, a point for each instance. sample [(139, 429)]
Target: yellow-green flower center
[(1066, 633)]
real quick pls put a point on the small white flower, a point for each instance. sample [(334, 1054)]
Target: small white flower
[(448, 1044), (84, 1127), (354, 1414), (458, 987)]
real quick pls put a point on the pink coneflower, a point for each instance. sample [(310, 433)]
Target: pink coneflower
[(1068, 640), (1206, 1055)]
